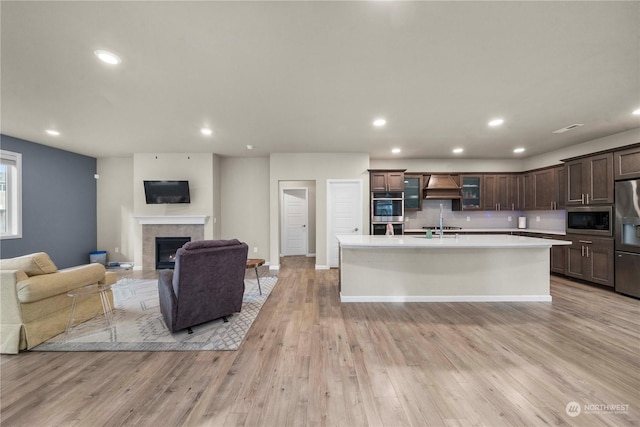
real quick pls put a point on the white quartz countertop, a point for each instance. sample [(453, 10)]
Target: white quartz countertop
[(489, 230), (447, 241)]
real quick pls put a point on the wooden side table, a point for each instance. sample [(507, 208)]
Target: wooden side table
[(255, 263)]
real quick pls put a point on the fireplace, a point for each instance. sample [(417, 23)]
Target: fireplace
[(166, 248)]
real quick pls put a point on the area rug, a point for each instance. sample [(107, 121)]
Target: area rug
[(138, 324)]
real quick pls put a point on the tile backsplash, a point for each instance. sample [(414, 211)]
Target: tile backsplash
[(430, 214)]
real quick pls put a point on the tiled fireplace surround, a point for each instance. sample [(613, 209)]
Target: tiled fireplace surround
[(151, 231)]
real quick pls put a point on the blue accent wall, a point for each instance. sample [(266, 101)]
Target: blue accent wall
[(58, 204)]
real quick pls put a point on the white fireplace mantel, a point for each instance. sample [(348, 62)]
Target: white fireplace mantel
[(172, 219)]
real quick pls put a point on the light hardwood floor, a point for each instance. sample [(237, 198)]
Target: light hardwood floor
[(310, 361)]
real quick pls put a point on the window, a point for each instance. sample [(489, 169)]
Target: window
[(10, 195)]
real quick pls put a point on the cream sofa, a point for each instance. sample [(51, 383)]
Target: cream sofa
[(34, 305)]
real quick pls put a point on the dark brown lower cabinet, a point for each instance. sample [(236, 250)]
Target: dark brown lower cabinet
[(590, 259), (559, 259)]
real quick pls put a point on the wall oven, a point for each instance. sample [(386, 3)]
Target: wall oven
[(387, 207), (594, 220), (381, 229)]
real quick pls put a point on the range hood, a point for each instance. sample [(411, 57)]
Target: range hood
[(442, 187)]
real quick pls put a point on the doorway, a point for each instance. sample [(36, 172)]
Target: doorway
[(344, 213), (295, 221)]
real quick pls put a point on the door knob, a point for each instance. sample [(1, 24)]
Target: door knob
[(355, 229)]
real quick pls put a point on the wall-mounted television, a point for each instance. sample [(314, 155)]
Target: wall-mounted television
[(161, 192)]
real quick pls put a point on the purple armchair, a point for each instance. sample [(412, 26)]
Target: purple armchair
[(206, 284)]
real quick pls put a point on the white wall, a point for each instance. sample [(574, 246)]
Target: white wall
[(613, 141), (245, 202), (197, 168), (449, 165), (507, 165), (217, 197), (116, 227), (318, 167)]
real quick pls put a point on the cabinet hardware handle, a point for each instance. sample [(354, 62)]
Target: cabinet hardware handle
[(582, 199), (587, 251), (588, 242), (513, 208), (355, 229), (587, 198), (582, 250)]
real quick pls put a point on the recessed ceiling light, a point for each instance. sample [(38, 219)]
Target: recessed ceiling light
[(206, 131), (379, 122), (458, 150), (396, 150), (496, 122), (636, 112), (108, 57), (518, 150), (52, 132), (249, 147)]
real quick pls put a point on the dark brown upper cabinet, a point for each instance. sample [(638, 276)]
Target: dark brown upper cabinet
[(387, 180), (500, 192), (627, 164), (590, 180)]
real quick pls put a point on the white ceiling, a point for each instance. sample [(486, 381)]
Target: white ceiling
[(312, 76)]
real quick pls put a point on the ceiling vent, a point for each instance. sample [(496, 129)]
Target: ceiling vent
[(568, 128)]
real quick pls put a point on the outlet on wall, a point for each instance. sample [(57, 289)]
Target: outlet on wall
[(468, 219), (255, 249), (509, 218), (537, 219), (116, 250)]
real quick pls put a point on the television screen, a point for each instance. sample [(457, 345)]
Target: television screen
[(159, 192)]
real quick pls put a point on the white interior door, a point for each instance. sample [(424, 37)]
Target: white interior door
[(295, 221), (344, 213)]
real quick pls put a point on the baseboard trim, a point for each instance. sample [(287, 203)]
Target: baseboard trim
[(274, 267), (448, 298), (322, 267)]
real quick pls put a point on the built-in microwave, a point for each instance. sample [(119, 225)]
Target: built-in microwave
[(596, 220), (387, 207)]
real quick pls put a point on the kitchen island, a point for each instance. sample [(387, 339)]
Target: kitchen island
[(451, 268)]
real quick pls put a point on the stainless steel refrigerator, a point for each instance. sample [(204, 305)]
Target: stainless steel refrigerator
[(627, 237)]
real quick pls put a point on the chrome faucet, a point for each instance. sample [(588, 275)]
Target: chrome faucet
[(441, 229)]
